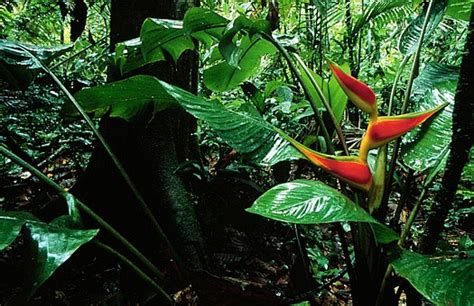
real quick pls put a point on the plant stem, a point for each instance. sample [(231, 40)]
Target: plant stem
[(79, 52), (163, 297), (293, 68), (325, 102), (4, 151), (406, 100)]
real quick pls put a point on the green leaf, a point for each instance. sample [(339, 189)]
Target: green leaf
[(223, 76), (19, 61), (11, 223), (459, 9), (128, 55), (229, 50), (428, 146), (331, 89), (312, 202), (52, 247), (160, 36), (127, 99), (411, 35), (204, 25), (247, 133), (281, 150), (442, 280), (380, 11)]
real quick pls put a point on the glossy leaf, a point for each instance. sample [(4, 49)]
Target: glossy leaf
[(426, 147), (204, 25), (410, 36), (127, 99), (223, 76), (229, 50), (312, 202), (11, 223), (128, 55), (247, 133), (52, 247), (281, 150), (18, 65), (442, 280), (160, 36)]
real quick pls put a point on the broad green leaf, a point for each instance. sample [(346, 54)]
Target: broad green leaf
[(281, 150), (52, 247), (19, 61), (223, 76), (229, 50), (160, 36), (11, 223), (204, 25), (127, 99), (128, 55), (411, 35), (73, 210), (442, 280), (313, 202), (247, 133), (428, 146), (459, 9)]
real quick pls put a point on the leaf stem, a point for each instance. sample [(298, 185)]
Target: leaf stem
[(293, 68), (326, 104), (5, 152)]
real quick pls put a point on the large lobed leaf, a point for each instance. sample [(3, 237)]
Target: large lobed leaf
[(313, 202), (442, 280), (162, 37), (428, 146), (247, 133)]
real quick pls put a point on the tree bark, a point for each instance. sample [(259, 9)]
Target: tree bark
[(461, 143), (151, 151)]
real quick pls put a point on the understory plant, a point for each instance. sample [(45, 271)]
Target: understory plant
[(235, 49)]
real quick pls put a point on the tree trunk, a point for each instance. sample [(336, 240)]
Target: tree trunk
[(150, 151), (459, 151)]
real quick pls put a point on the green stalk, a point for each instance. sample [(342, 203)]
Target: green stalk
[(5, 152), (163, 297), (293, 68), (406, 99), (325, 102)]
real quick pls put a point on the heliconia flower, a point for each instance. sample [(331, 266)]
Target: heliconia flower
[(384, 129), (359, 93), (350, 169)]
